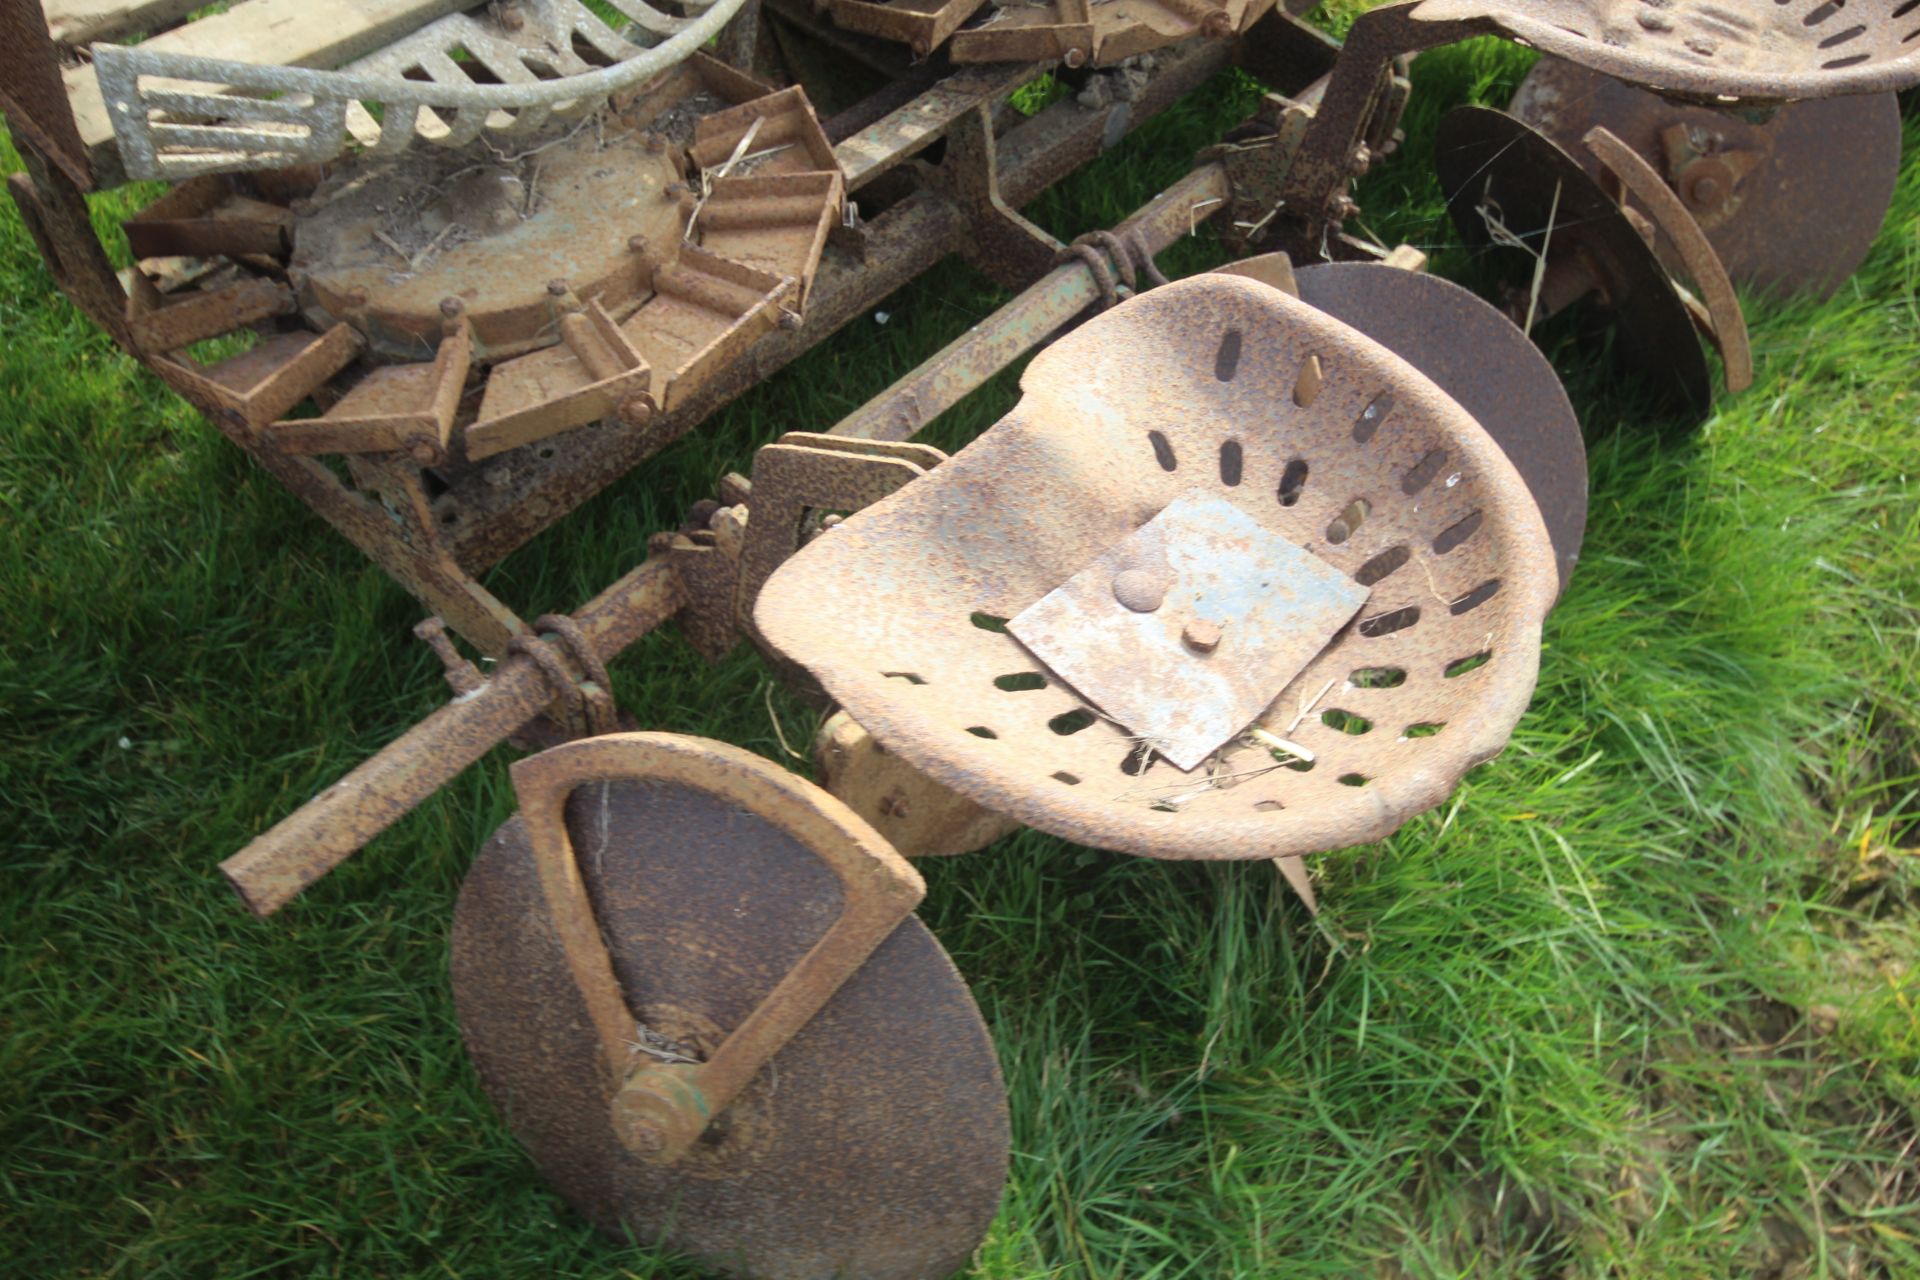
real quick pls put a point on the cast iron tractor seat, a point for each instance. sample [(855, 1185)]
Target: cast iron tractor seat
[(1351, 579), (1752, 51)]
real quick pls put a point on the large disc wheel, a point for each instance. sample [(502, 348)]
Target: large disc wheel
[(873, 1144)]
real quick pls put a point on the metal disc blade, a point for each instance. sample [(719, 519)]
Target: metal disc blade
[(1481, 359), (1800, 221), (1486, 159), (874, 1145)]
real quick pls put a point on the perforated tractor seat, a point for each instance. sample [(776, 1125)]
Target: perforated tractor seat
[(1274, 469), (1752, 51)]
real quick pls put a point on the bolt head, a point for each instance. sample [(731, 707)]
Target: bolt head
[(1202, 635), (634, 411), (643, 1139)]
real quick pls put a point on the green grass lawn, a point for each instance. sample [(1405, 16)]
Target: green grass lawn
[(1640, 1000)]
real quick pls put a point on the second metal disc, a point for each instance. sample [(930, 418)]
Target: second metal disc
[(1800, 220), (1487, 160)]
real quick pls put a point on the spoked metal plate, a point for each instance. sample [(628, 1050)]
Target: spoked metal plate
[(1791, 202), (873, 1145), (1477, 356), (1489, 163)]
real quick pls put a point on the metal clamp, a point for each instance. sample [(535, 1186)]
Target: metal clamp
[(588, 702), (1104, 252), (659, 1109)]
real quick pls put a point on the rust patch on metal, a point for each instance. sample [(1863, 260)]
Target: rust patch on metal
[(33, 93), (921, 25), (1382, 475), (281, 863), (1080, 33), (1726, 325), (917, 815), (385, 244)]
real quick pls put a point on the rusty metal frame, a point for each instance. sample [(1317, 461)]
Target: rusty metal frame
[(282, 862), (482, 509), (659, 1109), (1353, 122)]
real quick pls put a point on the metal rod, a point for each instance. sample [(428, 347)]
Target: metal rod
[(281, 863), (907, 406)]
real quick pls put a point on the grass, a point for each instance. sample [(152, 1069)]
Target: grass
[(1640, 1000)]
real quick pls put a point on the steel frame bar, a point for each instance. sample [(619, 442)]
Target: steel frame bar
[(433, 528), (282, 862)]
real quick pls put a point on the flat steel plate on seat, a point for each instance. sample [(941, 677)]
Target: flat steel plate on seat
[(1481, 359), (873, 1145), (1489, 163), (1122, 630), (1754, 51), (1791, 203), (1314, 432)]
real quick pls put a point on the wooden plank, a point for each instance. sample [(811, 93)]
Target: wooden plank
[(287, 33), (80, 22)]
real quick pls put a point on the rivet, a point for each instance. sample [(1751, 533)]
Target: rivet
[(1141, 590)]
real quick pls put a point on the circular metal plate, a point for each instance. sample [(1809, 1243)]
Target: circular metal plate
[(1486, 158), (874, 1144), (385, 242), (1800, 220), (1477, 356)]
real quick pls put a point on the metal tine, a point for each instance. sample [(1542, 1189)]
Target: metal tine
[(529, 120), (467, 121), (184, 133), (650, 19), (398, 124), (602, 37), (220, 106), (504, 59), (176, 166)]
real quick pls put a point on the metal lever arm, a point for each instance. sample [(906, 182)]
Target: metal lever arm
[(660, 1109), (1727, 324)]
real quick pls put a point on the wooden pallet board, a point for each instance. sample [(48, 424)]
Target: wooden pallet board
[(75, 23)]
